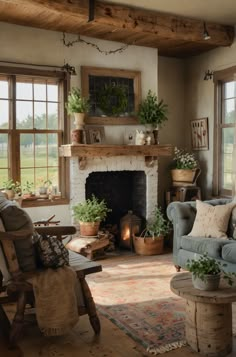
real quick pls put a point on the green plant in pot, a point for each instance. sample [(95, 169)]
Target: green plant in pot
[(206, 273), (184, 167), (153, 113), (28, 189), (78, 106), (151, 240), (12, 188), (90, 214)]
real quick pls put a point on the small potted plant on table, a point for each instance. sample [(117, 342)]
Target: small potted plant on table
[(78, 106), (28, 190), (206, 273), (90, 213), (151, 240)]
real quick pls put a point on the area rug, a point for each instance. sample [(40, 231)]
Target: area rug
[(134, 293)]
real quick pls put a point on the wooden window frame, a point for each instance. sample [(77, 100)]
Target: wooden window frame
[(64, 128), (99, 71), (220, 78)]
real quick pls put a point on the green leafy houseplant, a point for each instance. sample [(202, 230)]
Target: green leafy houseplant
[(158, 225), (151, 240), (91, 210), (28, 188), (76, 102), (151, 111), (10, 184), (206, 266)]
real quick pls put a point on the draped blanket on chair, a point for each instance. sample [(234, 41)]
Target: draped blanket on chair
[(55, 300)]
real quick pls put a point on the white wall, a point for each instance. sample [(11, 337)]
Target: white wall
[(200, 102), (30, 45)]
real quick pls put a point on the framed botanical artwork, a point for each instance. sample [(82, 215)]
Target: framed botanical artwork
[(199, 134), (114, 95), (95, 135)]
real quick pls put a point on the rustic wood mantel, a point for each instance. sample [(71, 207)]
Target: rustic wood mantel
[(84, 151)]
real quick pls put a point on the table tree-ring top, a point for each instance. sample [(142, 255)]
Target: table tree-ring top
[(181, 284)]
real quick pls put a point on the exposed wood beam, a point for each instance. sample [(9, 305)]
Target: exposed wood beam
[(162, 26)]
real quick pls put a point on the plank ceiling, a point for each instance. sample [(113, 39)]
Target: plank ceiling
[(173, 35)]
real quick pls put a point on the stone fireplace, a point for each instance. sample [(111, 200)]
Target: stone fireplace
[(136, 181)]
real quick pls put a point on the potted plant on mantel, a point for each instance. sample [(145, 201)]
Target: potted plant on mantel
[(152, 113), (151, 240), (185, 168), (78, 106), (206, 273), (90, 213)]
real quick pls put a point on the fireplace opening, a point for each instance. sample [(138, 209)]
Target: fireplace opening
[(123, 191)]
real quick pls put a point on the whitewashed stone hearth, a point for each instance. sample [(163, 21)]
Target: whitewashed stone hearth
[(114, 163)]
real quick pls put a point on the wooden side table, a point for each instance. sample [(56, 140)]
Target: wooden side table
[(208, 326)]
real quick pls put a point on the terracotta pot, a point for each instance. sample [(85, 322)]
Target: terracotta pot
[(89, 228), (10, 194), (148, 245)]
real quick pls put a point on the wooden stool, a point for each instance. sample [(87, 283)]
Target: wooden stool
[(183, 194)]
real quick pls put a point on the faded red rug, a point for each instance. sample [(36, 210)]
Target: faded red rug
[(134, 293)]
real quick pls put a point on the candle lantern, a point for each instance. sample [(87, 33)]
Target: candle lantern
[(130, 224)]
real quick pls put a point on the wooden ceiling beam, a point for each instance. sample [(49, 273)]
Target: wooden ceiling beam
[(161, 25)]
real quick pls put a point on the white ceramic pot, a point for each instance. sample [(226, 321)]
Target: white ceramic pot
[(79, 120), (210, 282)]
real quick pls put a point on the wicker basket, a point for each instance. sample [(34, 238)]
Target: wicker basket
[(144, 245)]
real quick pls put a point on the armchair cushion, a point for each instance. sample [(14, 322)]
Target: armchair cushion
[(15, 219), (229, 252), (211, 221)]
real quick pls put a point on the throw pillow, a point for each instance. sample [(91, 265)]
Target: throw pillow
[(51, 251), (211, 221)]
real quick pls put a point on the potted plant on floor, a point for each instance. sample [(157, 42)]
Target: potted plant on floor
[(151, 240), (152, 113), (90, 213), (206, 273)]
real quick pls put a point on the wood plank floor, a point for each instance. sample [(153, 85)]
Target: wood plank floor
[(111, 343)]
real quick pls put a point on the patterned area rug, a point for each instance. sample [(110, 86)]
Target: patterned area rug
[(134, 293)]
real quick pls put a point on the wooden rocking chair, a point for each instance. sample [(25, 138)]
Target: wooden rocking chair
[(20, 291)]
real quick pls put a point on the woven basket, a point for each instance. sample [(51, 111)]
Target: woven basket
[(144, 245)]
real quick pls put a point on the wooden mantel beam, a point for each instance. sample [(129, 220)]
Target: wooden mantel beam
[(123, 18)]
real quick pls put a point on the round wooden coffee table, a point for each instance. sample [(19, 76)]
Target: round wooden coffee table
[(208, 326)]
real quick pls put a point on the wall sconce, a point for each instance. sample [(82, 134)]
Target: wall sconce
[(208, 75), (206, 35)]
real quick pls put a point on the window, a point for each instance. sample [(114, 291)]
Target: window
[(225, 120), (32, 128)]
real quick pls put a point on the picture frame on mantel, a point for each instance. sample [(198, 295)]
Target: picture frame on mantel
[(114, 94), (95, 135), (199, 134)]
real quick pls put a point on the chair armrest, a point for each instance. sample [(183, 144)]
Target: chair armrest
[(16, 235), (58, 231)]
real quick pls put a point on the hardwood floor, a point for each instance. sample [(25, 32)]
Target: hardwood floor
[(111, 343)]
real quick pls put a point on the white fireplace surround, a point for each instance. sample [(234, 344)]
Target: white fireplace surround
[(115, 163)]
